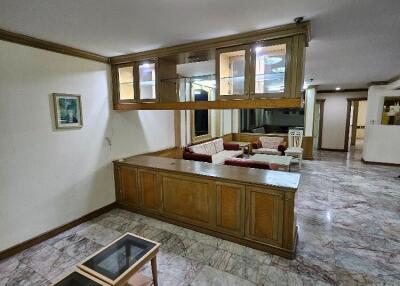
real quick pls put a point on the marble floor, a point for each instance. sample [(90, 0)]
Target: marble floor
[(349, 234)]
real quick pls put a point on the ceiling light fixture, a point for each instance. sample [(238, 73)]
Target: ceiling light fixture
[(338, 88)]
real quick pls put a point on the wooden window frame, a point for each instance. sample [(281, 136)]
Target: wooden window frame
[(218, 52), (288, 68), (200, 138)]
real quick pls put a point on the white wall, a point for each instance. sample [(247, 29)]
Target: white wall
[(49, 177), (138, 132), (334, 123), (381, 142)]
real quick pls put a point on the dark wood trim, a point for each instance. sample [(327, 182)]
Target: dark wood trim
[(268, 248), (232, 40), (50, 46), (321, 121), (343, 90), (44, 236), (380, 163), (219, 104), (346, 135), (333, 150)]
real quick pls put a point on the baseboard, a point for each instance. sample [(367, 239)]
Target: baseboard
[(380, 163), (333, 150), (44, 236)]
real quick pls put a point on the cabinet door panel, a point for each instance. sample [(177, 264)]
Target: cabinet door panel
[(187, 199), (128, 185), (230, 207), (149, 190), (265, 215)]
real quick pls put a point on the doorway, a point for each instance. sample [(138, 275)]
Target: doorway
[(355, 123)]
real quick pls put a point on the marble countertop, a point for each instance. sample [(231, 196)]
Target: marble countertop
[(277, 179)]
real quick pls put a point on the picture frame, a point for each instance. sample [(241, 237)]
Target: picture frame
[(67, 111)]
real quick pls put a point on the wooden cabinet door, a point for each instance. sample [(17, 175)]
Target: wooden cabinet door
[(128, 186), (188, 199), (230, 208), (264, 209), (149, 190)]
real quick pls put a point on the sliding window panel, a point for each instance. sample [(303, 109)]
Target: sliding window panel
[(125, 83), (232, 68), (147, 71), (270, 69)]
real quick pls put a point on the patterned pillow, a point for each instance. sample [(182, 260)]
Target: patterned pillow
[(219, 145), (270, 142), (210, 148)]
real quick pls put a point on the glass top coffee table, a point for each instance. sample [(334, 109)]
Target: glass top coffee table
[(283, 162), (118, 263)]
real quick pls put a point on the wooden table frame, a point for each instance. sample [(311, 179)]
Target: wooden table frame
[(83, 274), (125, 277)]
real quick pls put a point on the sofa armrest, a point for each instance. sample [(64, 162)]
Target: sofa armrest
[(231, 146), (197, 157), (256, 144), (282, 147)]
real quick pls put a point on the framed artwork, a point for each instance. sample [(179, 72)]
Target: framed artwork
[(67, 111), (391, 110)]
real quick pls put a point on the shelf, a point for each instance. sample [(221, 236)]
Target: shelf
[(220, 104)]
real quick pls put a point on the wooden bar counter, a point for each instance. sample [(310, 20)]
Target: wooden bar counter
[(249, 206)]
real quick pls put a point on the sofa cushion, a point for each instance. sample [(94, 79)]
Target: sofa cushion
[(219, 145), (199, 148), (210, 148), (270, 142), (268, 151), (219, 158)]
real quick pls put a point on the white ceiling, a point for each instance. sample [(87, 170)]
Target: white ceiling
[(353, 41)]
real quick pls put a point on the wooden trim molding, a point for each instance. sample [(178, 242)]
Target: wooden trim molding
[(380, 163), (283, 31), (343, 90), (50, 46), (44, 236), (220, 104)]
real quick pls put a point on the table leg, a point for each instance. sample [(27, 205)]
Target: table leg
[(154, 270)]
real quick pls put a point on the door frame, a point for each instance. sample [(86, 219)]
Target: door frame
[(346, 135)]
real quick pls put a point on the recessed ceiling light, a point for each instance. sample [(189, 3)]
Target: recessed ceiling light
[(338, 88)]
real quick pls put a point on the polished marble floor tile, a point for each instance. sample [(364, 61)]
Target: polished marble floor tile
[(348, 217)]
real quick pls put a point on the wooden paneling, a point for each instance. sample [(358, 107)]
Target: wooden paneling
[(221, 104), (264, 215), (128, 186), (50, 46), (149, 190), (307, 147), (222, 42), (187, 198), (230, 207), (167, 88), (243, 211)]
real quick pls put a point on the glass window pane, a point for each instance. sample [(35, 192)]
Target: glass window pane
[(147, 80), (270, 69), (232, 73), (126, 90)]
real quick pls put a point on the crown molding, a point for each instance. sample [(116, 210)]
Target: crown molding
[(277, 32), (50, 46)]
